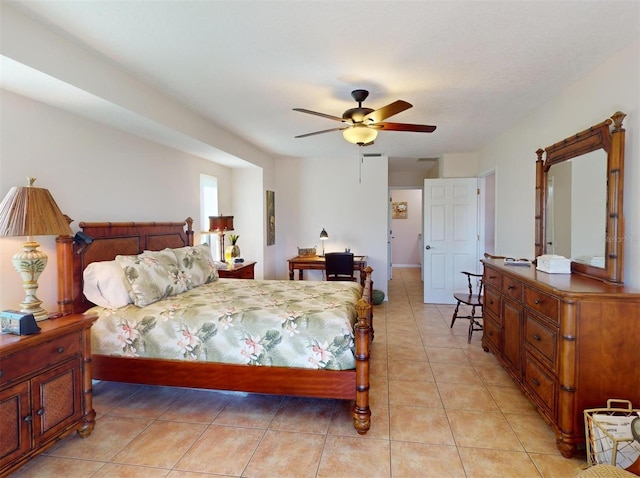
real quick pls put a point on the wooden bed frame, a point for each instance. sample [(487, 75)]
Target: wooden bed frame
[(131, 238)]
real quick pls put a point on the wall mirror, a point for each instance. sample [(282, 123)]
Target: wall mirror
[(579, 186)]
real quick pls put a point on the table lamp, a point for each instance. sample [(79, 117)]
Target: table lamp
[(220, 225), (29, 211), (323, 237)]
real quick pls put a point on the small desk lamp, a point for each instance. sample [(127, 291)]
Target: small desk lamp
[(323, 237), (29, 211), (221, 224)]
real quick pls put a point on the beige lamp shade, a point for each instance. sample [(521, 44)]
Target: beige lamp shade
[(29, 211)]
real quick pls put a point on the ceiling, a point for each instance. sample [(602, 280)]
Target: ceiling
[(472, 68)]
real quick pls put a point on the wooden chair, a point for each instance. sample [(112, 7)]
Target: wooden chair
[(473, 299), (339, 266)]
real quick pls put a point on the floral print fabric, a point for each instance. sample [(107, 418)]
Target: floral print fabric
[(307, 324), (152, 275)]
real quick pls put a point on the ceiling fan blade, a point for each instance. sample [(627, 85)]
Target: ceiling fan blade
[(418, 128), (320, 132), (386, 111), (331, 117)]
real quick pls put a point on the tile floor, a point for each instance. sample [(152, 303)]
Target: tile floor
[(441, 408)]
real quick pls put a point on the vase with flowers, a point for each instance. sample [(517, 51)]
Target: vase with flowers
[(232, 251)]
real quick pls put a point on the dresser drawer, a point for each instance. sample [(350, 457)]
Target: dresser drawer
[(542, 340), (512, 288), (543, 303), (39, 356), (540, 383), (492, 277), (492, 331), (492, 301)]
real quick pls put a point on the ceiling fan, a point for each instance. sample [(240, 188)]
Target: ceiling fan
[(361, 125)]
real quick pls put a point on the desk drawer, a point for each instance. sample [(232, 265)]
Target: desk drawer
[(39, 357), (543, 303)]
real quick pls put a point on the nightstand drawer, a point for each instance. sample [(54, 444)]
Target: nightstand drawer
[(40, 356)]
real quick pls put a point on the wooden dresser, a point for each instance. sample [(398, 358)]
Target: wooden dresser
[(571, 342), (243, 270), (45, 388)]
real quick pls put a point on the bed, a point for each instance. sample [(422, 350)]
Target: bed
[(343, 375)]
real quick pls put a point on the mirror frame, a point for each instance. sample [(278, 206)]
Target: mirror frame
[(599, 136)]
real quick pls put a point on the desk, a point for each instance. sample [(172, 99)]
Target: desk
[(318, 263)]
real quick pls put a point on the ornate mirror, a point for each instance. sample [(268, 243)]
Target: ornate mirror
[(579, 200)]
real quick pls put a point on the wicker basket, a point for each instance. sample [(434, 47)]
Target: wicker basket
[(306, 251), (608, 433)]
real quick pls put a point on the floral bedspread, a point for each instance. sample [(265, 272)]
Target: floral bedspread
[(307, 324)]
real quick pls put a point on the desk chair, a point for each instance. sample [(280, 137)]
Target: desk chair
[(339, 266), (472, 298)]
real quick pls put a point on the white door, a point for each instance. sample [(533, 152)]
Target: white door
[(450, 236), (389, 242)]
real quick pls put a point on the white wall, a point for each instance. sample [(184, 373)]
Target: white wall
[(611, 87), (325, 193), (94, 173), (404, 245)]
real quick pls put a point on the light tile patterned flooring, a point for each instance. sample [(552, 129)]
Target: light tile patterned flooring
[(441, 408)]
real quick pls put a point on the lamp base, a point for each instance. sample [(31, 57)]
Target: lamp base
[(29, 264)]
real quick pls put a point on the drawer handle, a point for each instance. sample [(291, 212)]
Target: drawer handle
[(1, 373), (491, 333), (536, 337), (511, 287), (535, 382), (28, 419), (60, 350), (492, 277), (537, 301), (40, 412)]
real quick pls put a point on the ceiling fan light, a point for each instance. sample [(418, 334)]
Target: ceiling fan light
[(360, 134)]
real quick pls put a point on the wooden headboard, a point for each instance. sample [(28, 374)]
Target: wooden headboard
[(109, 240)]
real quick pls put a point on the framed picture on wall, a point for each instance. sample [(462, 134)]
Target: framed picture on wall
[(399, 210), (271, 218)]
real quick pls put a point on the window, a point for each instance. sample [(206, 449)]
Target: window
[(209, 207)]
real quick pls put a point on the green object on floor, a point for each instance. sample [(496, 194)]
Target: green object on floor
[(378, 297)]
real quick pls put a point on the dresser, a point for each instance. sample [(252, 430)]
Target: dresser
[(45, 388), (569, 341), (243, 270)]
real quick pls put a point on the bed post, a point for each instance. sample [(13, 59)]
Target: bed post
[(64, 255), (189, 230), (361, 412)]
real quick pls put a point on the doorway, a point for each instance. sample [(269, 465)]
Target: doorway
[(405, 227)]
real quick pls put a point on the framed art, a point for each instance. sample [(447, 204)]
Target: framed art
[(399, 210), (271, 218)]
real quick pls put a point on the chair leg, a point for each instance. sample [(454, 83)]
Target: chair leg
[(472, 323), (455, 315)]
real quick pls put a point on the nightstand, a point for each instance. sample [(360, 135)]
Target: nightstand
[(45, 388), (243, 270)]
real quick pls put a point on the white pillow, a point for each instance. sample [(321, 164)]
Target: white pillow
[(104, 285)]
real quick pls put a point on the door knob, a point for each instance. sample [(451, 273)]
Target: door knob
[(427, 247)]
